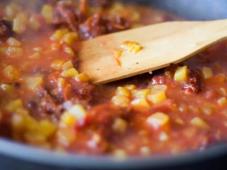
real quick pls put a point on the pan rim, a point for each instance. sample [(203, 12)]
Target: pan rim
[(31, 154)]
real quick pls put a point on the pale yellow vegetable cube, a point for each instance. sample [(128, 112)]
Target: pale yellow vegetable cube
[(11, 11), (122, 91), (181, 74), (73, 114), (48, 13), (20, 23), (130, 87), (143, 93), (158, 120), (13, 42), (46, 128), (67, 65), (158, 94), (34, 82), (7, 87), (14, 105), (11, 72), (207, 72), (200, 123), (222, 101), (78, 111), (119, 125), (82, 77), (59, 34), (70, 38), (67, 119), (140, 102), (157, 97), (14, 51), (70, 73), (122, 101), (69, 51)]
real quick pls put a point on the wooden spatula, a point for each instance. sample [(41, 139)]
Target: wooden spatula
[(160, 45)]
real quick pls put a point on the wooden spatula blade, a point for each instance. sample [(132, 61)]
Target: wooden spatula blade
[(163, 44)]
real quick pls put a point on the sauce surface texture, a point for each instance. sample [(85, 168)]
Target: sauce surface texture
[(46, 102)]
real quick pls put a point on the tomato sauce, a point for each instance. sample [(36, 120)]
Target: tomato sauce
[(46, 102)]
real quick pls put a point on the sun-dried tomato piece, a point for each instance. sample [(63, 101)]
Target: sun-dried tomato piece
[(194, 83)]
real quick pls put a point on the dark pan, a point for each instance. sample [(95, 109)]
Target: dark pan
[(15, 156)]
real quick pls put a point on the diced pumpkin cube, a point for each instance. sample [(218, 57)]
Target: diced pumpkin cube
[(141, 93), (13, 42), (59, 34), (140, 98), (157, 97), (207, 72), (122, 91), (69, 51), (198, 122), (14, 105), (158, 94), (78, 111), (47, 13), (70, 38), (11, 72), (73, 114), (18, 122), (140, 102), (122, 101), (119, 125), (14, 51), (82, 77), (158, 120), (222, 101), (7, 88), (70, 73), (11, 11), (130, 87), (67, 65), (46, 128), (20, 23), (34, 82), (68, 119), (181, 74), (31, 124)]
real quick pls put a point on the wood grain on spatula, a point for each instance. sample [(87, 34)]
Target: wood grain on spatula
[(163, 44)]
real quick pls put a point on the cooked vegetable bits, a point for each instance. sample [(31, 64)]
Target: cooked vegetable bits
[(45, 100)]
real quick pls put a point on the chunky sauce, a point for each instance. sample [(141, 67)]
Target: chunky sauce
[(46, 102)]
